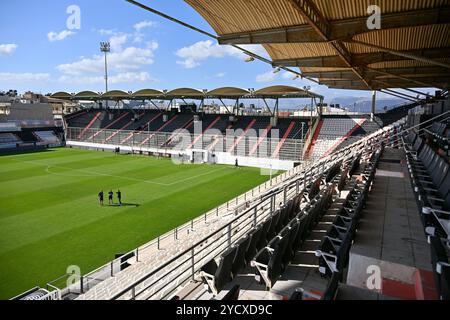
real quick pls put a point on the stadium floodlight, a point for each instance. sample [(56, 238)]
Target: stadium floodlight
[(276, 70), (249, 59), (105, 47)]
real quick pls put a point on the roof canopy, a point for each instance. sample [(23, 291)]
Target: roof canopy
[(147, 93), (189, 93), (61, 95), (185, 93), (116, 94), (281, 91), (331, 40), (86, 95), (228, 92)]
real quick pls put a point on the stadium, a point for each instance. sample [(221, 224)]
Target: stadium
[(221, 193)]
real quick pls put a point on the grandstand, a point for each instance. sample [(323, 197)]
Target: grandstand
[(361, 210), (29, 127)]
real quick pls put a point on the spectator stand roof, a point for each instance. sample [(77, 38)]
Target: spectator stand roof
[(273, 92), (331, 40)]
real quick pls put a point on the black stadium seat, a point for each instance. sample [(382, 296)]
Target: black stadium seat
[(289, 251), (272, 231), (441, 267), (217, 274), (239, 259), (252, 247), (262, 242)]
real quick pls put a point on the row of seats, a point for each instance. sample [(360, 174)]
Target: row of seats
[(430, 179), (139, 120), (439, 138), (334, 249), (8, 140), (283, 231), (272, 260), (218, 272)]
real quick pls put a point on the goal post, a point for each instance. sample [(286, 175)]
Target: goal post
[(200, 156)]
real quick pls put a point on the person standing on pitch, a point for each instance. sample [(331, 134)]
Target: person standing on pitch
[(110, 197), (100, 197), (119, 196)]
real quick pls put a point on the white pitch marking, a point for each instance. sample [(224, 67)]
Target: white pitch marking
[(119, 177)]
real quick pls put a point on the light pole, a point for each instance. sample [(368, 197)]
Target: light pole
[(106, 47)]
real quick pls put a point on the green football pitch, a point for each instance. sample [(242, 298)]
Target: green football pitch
[(50, 217)]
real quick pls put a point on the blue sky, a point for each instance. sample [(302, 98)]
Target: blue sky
[(38, 52)]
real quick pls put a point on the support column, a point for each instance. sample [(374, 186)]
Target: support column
[(321, 109), (374, 101)]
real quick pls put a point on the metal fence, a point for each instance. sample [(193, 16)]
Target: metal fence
[(237, 145)]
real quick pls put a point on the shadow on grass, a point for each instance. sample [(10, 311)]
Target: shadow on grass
[(11, 152), (123, 205)]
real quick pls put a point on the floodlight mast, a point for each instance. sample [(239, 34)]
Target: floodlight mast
[(105, 47)]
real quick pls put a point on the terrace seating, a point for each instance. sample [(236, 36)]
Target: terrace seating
[(255, 235), (118, 119), (239, 259), (271, 261), (9, 140), (27, 136), (441, 267), (216, 274), (262, 242), (439, 137), (47, 136), (333, 251), (430, 179)]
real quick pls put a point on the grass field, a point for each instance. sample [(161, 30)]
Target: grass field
[(50, 217)]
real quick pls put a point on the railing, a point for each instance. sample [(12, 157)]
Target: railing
[(162, 142)]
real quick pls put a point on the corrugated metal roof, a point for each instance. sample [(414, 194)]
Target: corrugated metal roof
[(228, 91), (226, 16), (147, 93), (188, 92), (236, 16), (347, 9)]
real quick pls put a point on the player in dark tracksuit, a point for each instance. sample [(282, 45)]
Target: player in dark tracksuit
[(110, 197), (119, 196), (100, 197)]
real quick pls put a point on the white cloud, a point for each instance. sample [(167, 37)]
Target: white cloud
[(202, 50), (117, 41), (189, 63), (144, 24), (126, 77), (220, 75), (124, 60), (23, 77), (8, 49), (138, 36), (54, 36), (107, 32), (266, 77)]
